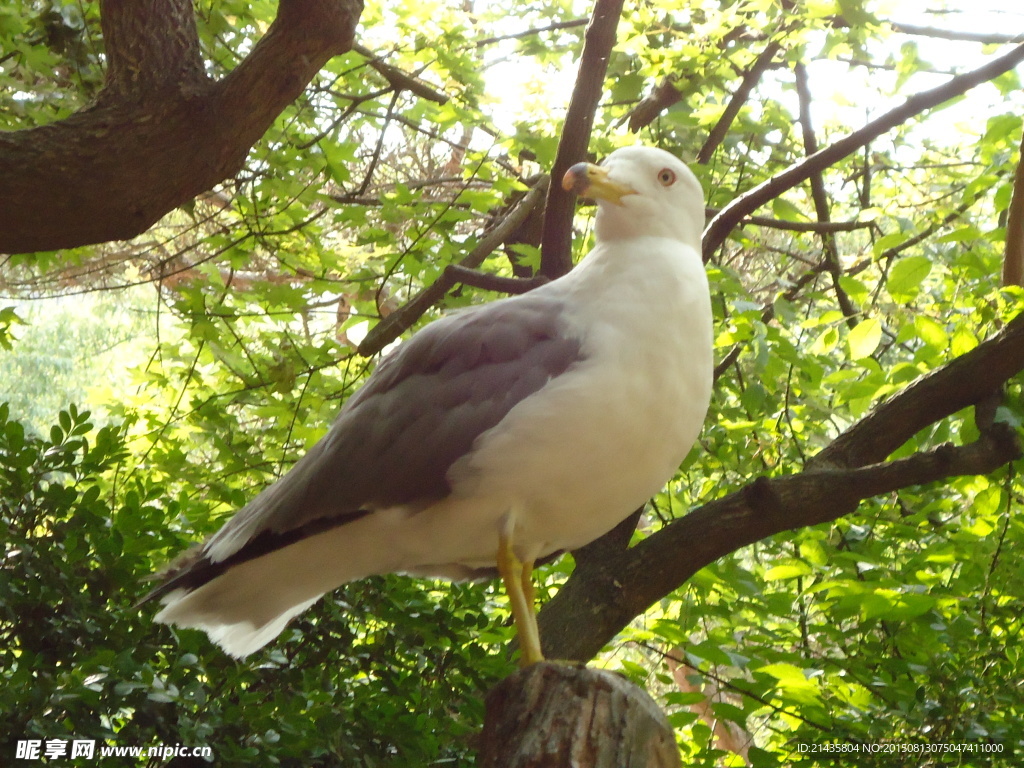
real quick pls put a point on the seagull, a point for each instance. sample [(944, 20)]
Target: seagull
[(495, 437)]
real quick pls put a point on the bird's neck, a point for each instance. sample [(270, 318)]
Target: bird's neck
[(626, 222), (654, 266)]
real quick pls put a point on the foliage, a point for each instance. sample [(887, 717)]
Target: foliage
[(900, 623), (68, 349), (376, 675)]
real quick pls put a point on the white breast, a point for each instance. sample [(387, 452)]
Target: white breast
[(593, 445)]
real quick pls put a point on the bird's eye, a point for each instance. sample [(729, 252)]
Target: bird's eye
[(667, 177)]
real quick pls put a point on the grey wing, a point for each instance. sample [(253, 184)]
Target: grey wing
[(395, 439)]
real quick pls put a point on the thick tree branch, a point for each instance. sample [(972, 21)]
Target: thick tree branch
[(151, 46), (613, 542), (161, 132), (602, 597), (661, 97), (744, 205), (594, 605), (964, 381), (598, 40)]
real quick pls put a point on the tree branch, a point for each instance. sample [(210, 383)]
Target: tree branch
[(601, 598), (399, 80), (986, 38), (150, 45), (161, 131), (661, 97), (739, 98), (558, 25), (592, 607), (488, 282), (962, 382), (727, 219), (1013, 258), (799, 226), (820, 197), (556, 239), (399, 321)]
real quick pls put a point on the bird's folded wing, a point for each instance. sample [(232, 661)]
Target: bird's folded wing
[(396, 438)]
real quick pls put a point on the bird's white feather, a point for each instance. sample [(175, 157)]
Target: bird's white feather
[(568, 462)]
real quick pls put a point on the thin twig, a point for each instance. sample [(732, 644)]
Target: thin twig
[(1013, 259), (488, 282), (803, 226), (820, 198), (750, 79), (570, 24), (986, 38)]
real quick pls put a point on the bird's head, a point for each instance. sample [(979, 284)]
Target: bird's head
[(641, 191)]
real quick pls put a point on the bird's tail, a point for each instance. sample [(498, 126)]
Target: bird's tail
[(246, 605)]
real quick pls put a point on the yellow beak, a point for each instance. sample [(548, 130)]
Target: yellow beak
[(593, 181)]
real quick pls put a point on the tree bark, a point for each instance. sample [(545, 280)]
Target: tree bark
[(161, 131), (553, 715)]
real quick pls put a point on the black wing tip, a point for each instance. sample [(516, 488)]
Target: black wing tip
[(192, 568), (188, 570)]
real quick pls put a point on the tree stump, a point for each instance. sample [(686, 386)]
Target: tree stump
[(557, 715)]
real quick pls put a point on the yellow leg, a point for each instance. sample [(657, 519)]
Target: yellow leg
[(518, 579), (532, 652)]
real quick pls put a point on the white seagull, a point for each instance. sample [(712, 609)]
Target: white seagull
[(493, 438)]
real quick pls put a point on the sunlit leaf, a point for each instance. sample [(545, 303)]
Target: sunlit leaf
[(864, 339)]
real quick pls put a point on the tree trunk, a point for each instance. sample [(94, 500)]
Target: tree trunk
[(161, 132), (556, 715)]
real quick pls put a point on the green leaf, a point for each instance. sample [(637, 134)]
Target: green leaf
[(826, 341), (907, 276), (932, 333), (787, 571), (864, 338), (887, 242), (961, 234), (727, 711), (784, 673), (787, 211)]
